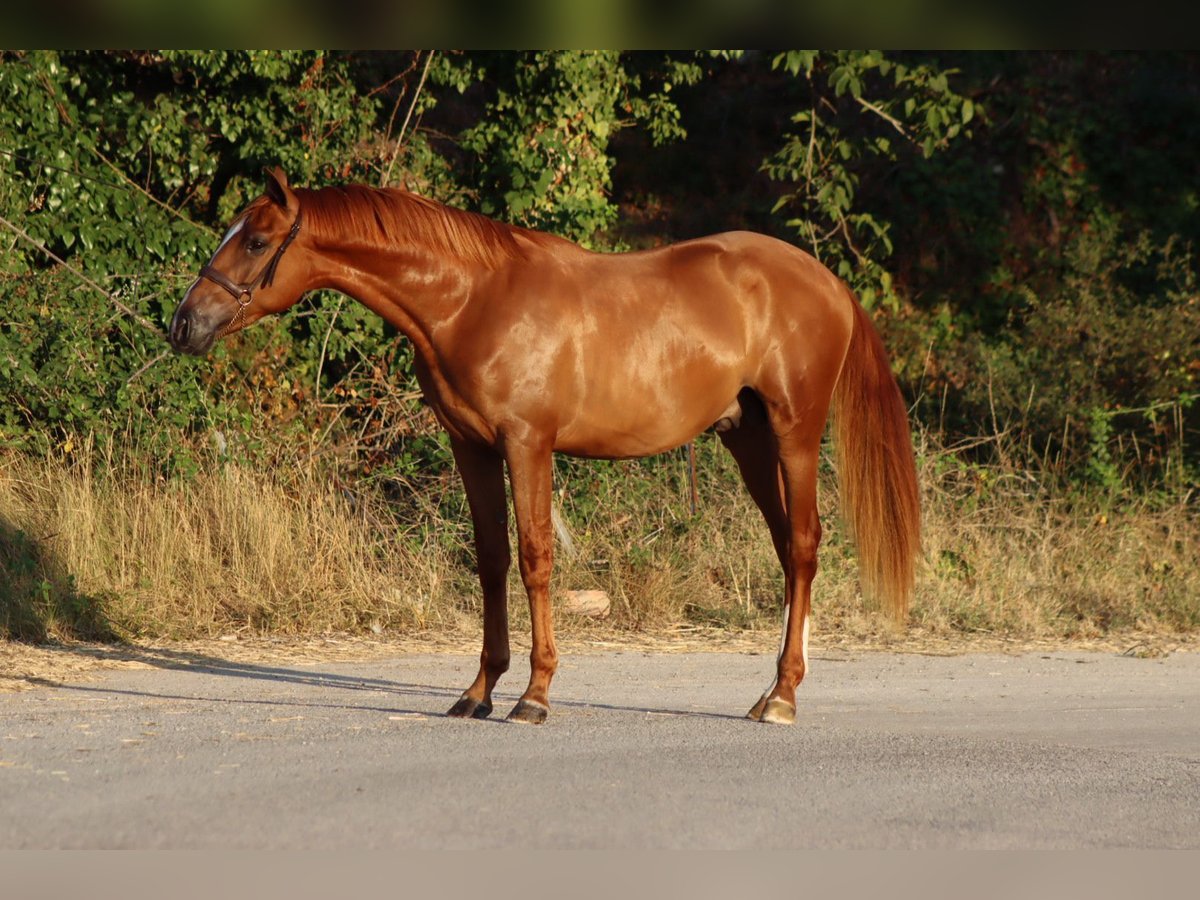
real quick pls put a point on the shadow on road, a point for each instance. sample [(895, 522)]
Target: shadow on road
[(38, 593), (207, 664)]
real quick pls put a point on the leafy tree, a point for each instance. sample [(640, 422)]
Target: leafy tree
[(862, 112), (120, 165), (1022, 224), (542, 142)]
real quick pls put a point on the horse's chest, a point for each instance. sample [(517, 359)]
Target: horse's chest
[(453, 412)]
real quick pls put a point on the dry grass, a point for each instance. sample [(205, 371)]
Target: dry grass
[(1006, 554), (1006, 558), (229, 550)]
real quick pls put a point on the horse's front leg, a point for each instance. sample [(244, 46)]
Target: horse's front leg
[(482, 471), (529, 471)]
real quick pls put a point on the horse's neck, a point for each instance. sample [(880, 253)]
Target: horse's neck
[(416, 292), (411, 287)]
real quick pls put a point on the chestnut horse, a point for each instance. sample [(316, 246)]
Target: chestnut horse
[(527, 344)]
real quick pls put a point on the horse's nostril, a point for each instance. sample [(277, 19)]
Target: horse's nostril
[(181, 329)]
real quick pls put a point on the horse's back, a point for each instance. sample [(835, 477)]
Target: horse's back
[(657, 344), (744, 292)]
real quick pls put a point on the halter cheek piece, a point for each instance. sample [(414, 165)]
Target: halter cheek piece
[(244, 293)]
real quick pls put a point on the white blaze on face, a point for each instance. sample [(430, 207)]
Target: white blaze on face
[(191, 288), (234, 229)]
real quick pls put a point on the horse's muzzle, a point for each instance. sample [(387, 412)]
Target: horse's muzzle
[(190, 334)]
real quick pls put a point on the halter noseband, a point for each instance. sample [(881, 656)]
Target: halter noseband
[(265, 277)]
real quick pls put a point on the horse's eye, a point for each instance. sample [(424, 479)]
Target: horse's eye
[(255, 245)]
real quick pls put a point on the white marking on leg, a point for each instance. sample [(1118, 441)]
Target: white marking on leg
[(804, 644), (787, 610)]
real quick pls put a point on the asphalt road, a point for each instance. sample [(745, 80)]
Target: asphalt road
[(642, 751)]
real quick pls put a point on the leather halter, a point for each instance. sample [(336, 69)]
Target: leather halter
[(265, 277)]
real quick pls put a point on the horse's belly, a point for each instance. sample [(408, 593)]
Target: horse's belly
[(644, 426)]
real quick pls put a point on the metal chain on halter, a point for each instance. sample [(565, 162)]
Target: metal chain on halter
[(243, 300)]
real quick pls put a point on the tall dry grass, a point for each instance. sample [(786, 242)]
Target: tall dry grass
[(229, 549), (1006, 552), (1010, 551)]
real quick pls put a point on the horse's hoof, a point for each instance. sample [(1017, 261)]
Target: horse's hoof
[(528, 712), (756, 711), (778, 712), (470, 708)]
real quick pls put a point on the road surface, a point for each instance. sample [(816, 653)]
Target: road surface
[(642, 750)]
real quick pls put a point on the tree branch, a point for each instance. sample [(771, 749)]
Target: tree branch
[(403, 128), (137, 317), (891, 120)]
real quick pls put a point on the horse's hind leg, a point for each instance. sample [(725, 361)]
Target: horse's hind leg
[(799, 447), (482, 473), (756, 451)]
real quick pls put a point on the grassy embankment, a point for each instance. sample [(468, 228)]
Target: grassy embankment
[(1007, 553)]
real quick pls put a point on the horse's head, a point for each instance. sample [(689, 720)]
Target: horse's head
[(247, 278)]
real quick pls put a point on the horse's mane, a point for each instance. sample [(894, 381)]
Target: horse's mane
[(372, 215)]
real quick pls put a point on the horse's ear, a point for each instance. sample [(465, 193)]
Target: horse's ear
[(277, 187)]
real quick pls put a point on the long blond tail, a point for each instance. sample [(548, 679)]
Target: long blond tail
[(877, 474)]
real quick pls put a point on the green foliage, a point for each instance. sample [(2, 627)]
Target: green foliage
[(861, 111), (542, 143), (1101, 467), (112, 159), (1033, 267), (1048, 266), (1095, 374)]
